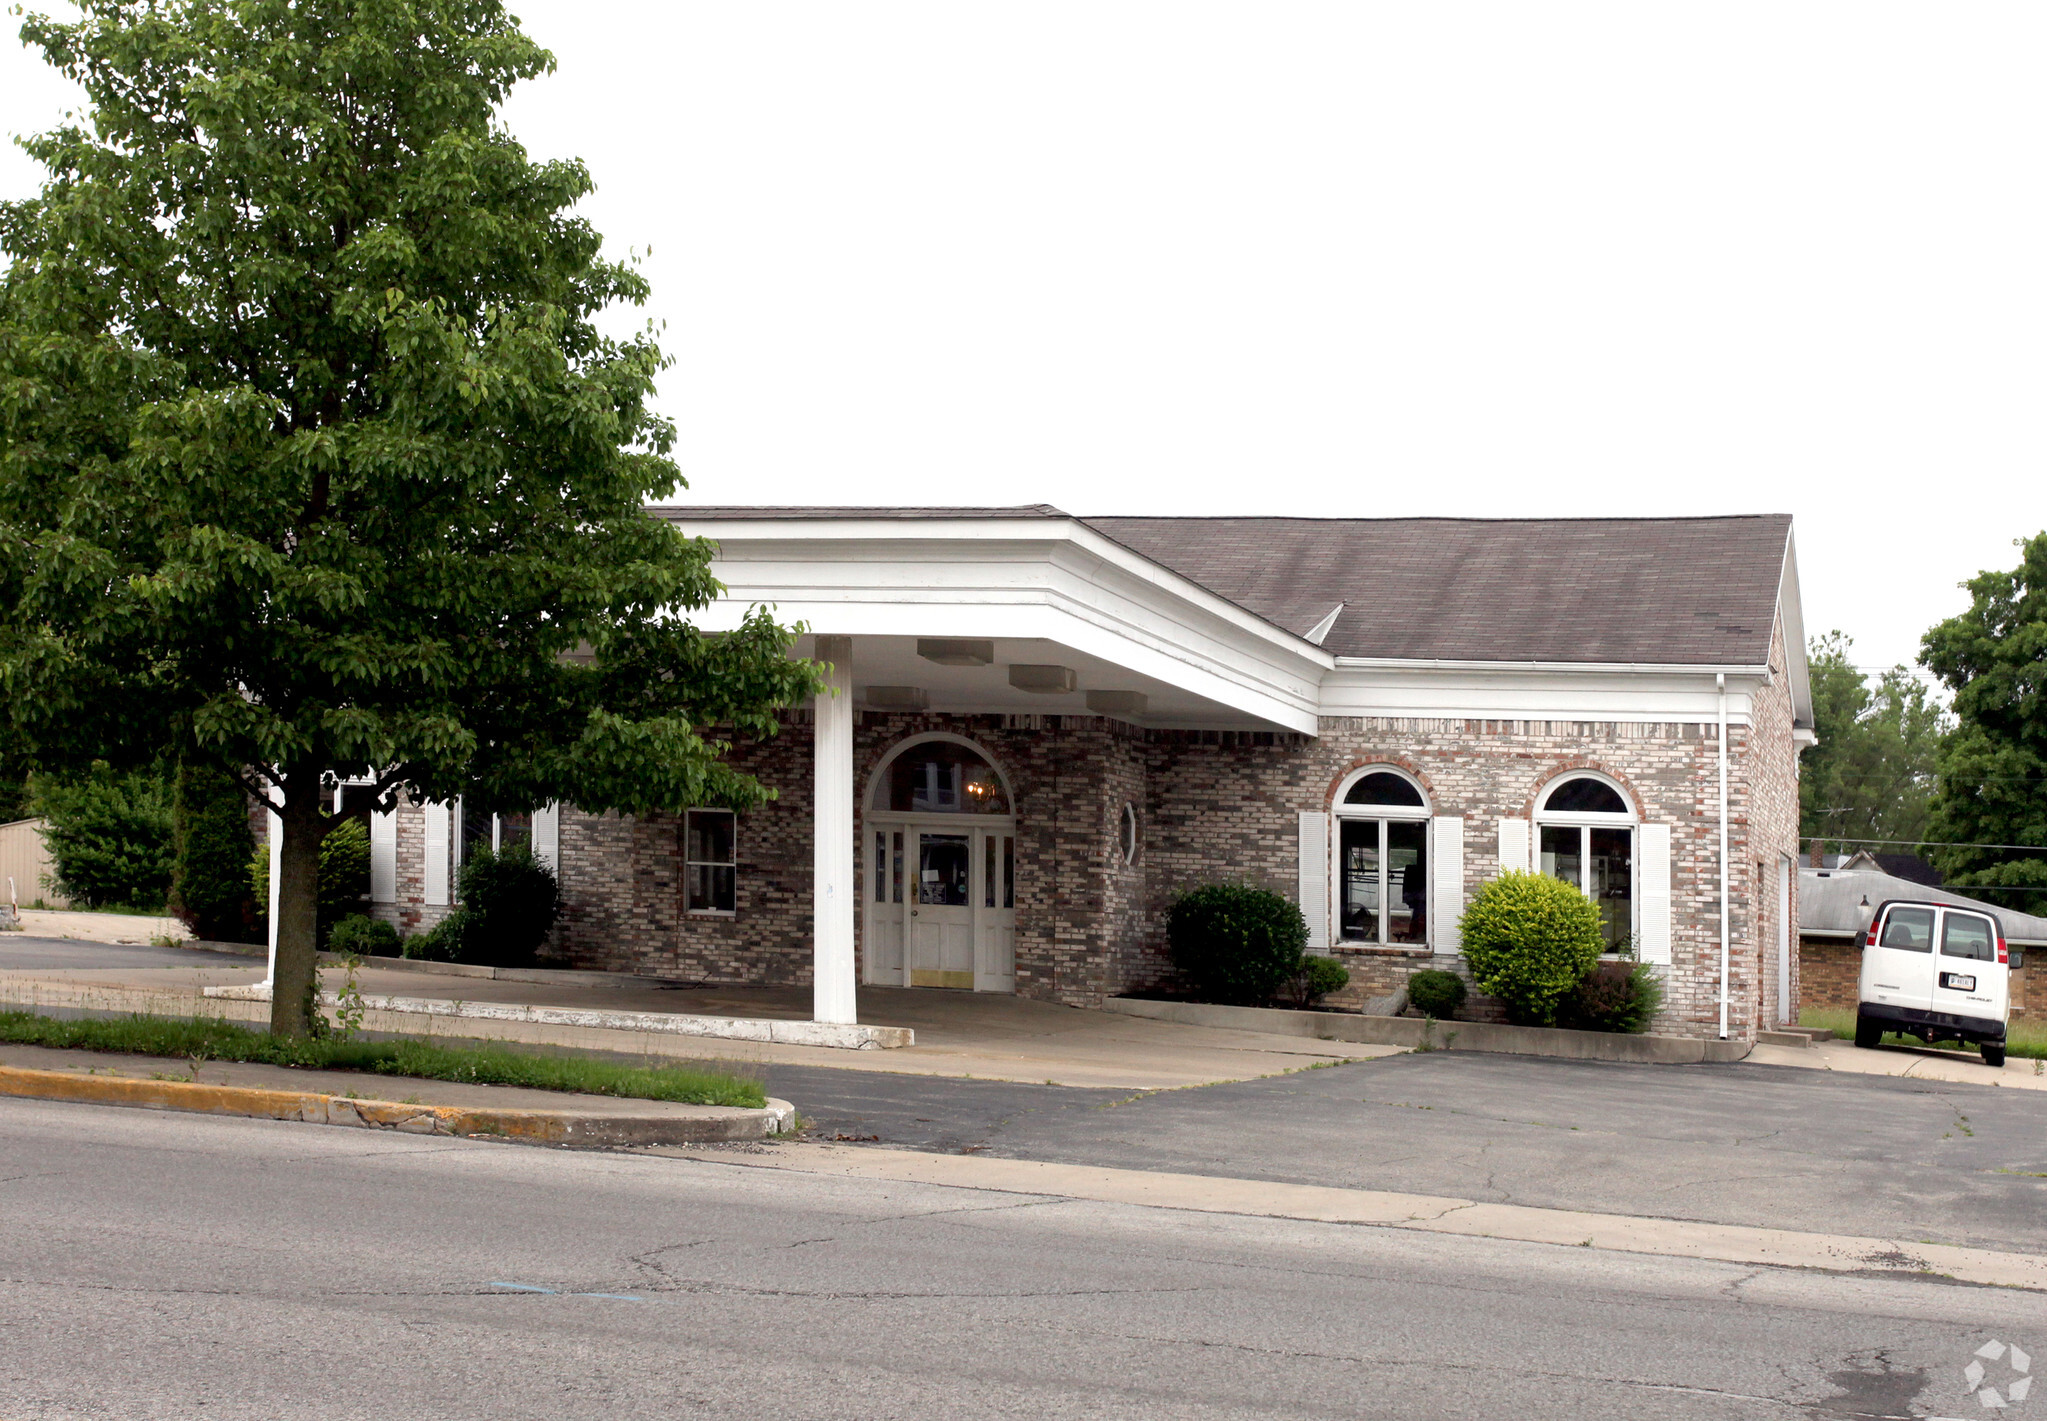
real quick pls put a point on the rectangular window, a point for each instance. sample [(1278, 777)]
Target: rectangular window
[(710, 860), (1909, 930), (1965, 936), (1383, 880)]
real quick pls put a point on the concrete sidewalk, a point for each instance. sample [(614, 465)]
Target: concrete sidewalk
[(957, 1033), (1919, 1064), (361, 1100), (1568, 1228)]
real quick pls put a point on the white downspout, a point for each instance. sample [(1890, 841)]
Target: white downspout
[(1720, 681)]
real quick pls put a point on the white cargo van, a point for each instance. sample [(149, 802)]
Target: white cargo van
[(1937, 972)]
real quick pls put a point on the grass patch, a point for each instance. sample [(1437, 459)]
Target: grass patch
[(2023, 1037), (210, 1039)]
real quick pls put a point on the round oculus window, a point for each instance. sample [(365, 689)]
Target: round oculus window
[(1126, 833)]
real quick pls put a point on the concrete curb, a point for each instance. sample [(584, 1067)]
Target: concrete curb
[(717, 1124), (1419, 1034), (729, 1028)]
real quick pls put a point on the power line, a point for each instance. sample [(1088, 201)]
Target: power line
[(1926, 843)]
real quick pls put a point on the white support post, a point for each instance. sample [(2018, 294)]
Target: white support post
[(832, 822), (276, 828)]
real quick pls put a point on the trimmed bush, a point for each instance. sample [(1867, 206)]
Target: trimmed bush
[(1615, 996), (1235, 943), (443, 942), (344, 876), (511, 900), (364, 936), (211, 838), (109, 836), (1530, 940), (1434, 992), (1318, 977)]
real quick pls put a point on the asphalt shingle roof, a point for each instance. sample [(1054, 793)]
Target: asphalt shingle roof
[(1678, 591)]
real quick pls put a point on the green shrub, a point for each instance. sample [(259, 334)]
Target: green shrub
[(1615, 996), (1530, 940), (1235, 943), (364, 936), (443, 942), (1318, 977), (1434, 992), (344, 875), (109, 836), (511, 900), (211, 841)]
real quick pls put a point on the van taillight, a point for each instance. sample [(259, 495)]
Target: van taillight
[(1874, 924), (2003, 953)]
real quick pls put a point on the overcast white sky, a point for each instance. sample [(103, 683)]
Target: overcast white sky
[(1338, 259)]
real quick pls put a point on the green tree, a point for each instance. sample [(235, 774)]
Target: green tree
[(313, 458), (1871, 776), (212, 840), (109, 835), (1993, 770)]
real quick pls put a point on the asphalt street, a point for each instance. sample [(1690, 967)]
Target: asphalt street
[(172, 1266), (21, 953)]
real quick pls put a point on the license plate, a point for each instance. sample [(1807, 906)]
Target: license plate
[(1957, 982)]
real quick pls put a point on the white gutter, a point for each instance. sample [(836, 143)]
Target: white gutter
[(1721, 681)]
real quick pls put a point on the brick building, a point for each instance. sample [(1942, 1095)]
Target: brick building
[(1046, 727)]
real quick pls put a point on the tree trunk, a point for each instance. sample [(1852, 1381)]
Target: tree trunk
[(298, 907)]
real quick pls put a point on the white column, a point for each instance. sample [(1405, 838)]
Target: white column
[(276, 835), (832, 819)]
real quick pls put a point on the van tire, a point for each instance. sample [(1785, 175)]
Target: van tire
[(1868, 1034), (1993, 1056)]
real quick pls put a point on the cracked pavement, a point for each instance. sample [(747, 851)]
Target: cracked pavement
[(1823, 1152), (181, 1266)]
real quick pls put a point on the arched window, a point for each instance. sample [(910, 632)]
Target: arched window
[(941, 777), (1585, 835), (1382, 859)]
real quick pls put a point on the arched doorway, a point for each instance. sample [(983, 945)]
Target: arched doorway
[(941, 869)]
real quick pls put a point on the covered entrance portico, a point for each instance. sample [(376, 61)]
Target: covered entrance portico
[(929, 854)]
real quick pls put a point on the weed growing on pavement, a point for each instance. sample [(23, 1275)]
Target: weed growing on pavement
[(485, 1063), (348, 1002)]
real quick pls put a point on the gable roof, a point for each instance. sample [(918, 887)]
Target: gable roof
[(1830, 904), (1663, 591), (1639, 591)]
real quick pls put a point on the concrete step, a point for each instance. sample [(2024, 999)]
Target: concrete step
[(1795, 1036)]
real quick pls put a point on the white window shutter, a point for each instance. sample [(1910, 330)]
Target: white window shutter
[(1652, 852), (435, 879), (1446, 883), (547, 836), (1315, 876), (1514, 845), (383, 858)]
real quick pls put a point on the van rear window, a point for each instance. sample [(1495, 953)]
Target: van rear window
[(1965, 935), (1909, 929)]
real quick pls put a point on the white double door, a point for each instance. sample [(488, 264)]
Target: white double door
[(941, 903)]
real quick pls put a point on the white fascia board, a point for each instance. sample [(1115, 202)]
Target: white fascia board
[(1492, 690), (1792, 610), (1021, 587), (937, 533)]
